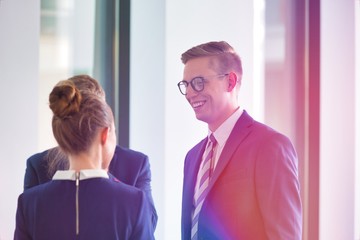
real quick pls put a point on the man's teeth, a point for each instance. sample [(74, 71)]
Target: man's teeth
[(197, 104)]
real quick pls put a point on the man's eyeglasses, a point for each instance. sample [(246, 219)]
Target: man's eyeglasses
[(197, 83)]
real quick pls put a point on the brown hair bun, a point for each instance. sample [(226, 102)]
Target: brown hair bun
[(65, 99)]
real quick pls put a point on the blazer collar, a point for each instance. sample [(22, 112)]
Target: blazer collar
[(84, 174), (238, 134)]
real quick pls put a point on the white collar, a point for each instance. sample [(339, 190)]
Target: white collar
[(222, 133), (84, 174)]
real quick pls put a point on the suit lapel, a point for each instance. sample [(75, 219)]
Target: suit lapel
[(194, 161), (237, 135), (192, 164)]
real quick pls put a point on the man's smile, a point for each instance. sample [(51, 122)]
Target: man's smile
[(197, 104)]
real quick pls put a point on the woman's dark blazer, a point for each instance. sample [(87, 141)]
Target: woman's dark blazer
[(129, 166), (105, 209)]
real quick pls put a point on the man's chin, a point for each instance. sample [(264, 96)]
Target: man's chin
[(200, 117)]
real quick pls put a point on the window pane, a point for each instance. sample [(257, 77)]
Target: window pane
[(66, 49)]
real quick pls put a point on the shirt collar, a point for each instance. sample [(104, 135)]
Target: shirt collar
[(84, 174), (222, 133)]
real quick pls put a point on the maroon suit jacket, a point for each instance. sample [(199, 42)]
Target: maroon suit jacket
[(254, 192)]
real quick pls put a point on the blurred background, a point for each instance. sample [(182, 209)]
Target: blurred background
[(301, 63)]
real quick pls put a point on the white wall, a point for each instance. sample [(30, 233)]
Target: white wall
[(162, 123), (337, 125), (147, 96), (19, 50)]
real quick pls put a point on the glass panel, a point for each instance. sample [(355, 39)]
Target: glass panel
[(66, 49)]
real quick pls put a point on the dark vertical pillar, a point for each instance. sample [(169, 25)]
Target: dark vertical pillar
[(124, 73), (104, 64), (112, 60)]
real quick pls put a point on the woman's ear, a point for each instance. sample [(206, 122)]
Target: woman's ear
[(232, 80), (104, 135)]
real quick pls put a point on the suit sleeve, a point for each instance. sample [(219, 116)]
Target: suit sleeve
[(277, 188), (143, 229), (143, 183), (144, 177)]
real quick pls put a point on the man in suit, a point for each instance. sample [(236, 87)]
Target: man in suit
[(128, 166), (245, 184)]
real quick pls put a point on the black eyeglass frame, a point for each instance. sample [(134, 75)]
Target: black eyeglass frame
[(195, 85)]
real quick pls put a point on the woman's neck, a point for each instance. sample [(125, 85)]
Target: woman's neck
[(84, 161)]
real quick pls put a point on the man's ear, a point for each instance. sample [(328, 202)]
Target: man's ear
[(232, 80), (104, 135)]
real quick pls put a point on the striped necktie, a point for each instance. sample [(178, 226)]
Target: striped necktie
[(201, 192)]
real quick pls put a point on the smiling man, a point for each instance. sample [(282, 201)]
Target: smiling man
[(241, 181)]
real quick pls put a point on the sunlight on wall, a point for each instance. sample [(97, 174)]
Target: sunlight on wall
[(337, 124), (357, 107), (259, 60)]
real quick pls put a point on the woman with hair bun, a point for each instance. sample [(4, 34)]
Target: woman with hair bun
[(128, 165), (84, 202)]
